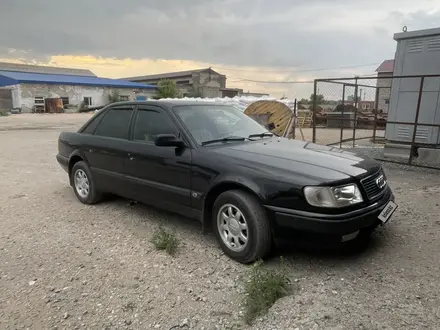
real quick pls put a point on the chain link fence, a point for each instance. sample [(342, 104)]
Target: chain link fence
[(392, 118)]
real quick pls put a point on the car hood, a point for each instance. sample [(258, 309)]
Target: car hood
[(300, 156)]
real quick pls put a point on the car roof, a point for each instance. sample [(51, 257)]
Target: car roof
[(168, 103)]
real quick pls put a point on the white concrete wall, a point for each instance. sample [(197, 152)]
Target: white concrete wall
[(16, 92), (26, 94)]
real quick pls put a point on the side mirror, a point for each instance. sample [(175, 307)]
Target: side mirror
[(168, 140)]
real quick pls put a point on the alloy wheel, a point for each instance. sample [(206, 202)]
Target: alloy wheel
[(82, 184), (232, 227)]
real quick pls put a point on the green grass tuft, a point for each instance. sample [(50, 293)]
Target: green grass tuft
[(263, 288), (164, 240)]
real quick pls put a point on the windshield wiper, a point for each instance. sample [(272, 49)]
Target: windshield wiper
[(261, 135), (225, 139)]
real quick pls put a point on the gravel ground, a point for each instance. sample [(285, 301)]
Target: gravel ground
[(64, 265)]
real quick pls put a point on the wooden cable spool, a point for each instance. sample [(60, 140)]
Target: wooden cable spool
[(276, 116)]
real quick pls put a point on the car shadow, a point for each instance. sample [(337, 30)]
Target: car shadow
[(335, 255), (297, 253), (156, 217)]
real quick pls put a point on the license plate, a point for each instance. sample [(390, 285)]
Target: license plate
[(387, 212)]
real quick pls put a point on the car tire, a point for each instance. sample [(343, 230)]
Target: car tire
[(234, 211), (83, 184)]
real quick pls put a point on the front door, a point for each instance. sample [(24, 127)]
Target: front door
[(160, 175)]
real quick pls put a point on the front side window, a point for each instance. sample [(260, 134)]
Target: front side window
[(211, 122), (115, 123), (149, 124)]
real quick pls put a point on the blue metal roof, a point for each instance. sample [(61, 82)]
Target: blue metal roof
[(8, 78)]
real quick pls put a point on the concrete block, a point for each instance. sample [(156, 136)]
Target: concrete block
[(431, 156), (395, 150)]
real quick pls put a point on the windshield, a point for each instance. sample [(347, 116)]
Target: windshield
[(212, 122)]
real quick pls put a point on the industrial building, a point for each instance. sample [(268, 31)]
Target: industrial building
[(384, 71), (31, 88), (196, 83)]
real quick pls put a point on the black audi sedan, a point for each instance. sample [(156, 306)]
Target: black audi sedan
[(212, 162)]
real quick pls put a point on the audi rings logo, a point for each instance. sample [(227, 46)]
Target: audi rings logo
[(381, 182)]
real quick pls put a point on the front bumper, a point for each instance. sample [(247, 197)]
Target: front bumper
[(287, 220)]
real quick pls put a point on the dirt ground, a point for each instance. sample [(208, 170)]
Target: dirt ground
[(64, 265)]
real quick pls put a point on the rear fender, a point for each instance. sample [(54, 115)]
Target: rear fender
[(74, 158)]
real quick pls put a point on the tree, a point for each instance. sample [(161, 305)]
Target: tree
[(319, 98), (167, 89), (113, 96), (303, 101)]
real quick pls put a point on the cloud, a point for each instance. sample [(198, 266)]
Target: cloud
[(256, 35), (235, 32)]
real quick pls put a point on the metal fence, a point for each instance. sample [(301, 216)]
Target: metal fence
[(395, 118)]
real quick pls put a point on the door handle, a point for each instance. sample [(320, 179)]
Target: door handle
[(130, 156)]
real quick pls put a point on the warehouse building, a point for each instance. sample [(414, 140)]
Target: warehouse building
[(31, 88), (194, 83)]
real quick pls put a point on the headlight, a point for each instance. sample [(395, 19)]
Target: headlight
[(333, 196)]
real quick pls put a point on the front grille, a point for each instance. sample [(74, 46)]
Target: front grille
[(371, 186)]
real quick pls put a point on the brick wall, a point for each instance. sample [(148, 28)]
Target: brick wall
[(208, 83), (384, 86)]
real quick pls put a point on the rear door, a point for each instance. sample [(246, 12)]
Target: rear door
[(160, 175), (105, 150)]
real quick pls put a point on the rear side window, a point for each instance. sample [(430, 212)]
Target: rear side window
[(90, 128), (115, 123)]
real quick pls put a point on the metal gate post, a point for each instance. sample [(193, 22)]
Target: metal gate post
[(376, 101), (416, 120), (355, 110), (315, 84), (295, 108), (342, 116)]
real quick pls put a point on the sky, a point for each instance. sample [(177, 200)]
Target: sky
[(290, 42)]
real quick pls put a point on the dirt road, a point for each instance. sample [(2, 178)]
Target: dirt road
[(64, 265)]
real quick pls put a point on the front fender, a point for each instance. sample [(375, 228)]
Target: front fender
[(237, 180)]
